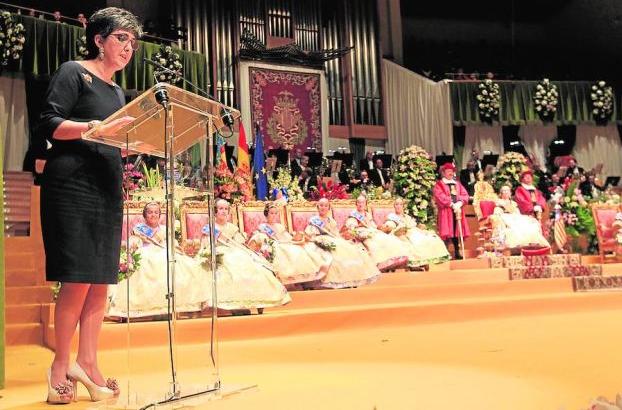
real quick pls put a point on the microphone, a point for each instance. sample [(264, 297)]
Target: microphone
[(226, 116)]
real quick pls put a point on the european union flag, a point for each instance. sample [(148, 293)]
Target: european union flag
[(259, 169)]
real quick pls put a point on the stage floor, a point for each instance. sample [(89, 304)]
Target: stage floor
[(544, 361)]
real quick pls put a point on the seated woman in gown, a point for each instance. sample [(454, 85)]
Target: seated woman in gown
[(427, 246), (351, 266), (245, 279), (510, 228), (294, 260), (387, 251), (148, 285)]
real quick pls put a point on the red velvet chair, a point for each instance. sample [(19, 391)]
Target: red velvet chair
[(604, 217)]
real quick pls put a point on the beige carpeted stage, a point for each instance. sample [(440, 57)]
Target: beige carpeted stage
[(458, 336)]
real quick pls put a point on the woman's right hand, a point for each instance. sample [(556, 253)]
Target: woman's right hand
[(114, 126)]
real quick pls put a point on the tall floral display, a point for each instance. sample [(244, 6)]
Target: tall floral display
[(488, 100), (414, 177), (510, 166), (12, 39), (546, 99), (170, 60), (602, 101)]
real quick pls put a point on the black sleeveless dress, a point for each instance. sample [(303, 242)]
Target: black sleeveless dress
[(81, 188)]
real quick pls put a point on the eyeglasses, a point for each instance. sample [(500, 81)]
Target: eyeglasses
[(123, 39)]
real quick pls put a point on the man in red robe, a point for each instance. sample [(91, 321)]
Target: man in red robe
[(529, 199), (450, 197)]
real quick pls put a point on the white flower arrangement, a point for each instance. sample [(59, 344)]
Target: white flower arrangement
[(546, 99), (414, 178), (510, 166), (82, 51), (489, 100), (602, 101), (168, 58), (12, 38)]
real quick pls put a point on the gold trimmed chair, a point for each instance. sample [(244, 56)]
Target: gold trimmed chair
[(250, 216), (194, 216), (298, 215), (380, 209), (604, 217), (133, 211), (341, 210)]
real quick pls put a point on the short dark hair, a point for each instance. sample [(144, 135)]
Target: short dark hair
[(105, 21)]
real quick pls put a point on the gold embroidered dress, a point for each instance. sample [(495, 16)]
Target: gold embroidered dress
[(512, 229), (293, 262), (148, 285), (244, 279), (426, 246), (350, 266), (387, 251)]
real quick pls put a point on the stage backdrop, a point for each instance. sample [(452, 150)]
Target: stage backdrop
[(287, 102)]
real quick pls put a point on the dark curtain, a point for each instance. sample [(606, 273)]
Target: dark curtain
[(357, 148)]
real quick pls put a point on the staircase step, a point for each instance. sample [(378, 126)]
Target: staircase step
[(18, 175), (21, 314), (21, 244), (24, 333), (18, 276), (28, 294), (25, 260)]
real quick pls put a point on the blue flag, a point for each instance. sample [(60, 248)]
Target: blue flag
[(259, 169)]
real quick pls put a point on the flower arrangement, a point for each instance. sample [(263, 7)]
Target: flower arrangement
[(231, 186), (371, 192), (546, 99), (132, 179), (171, 60), (414, 176), (510, 166), (574, 210), (602, 101), (12, 38), (285, 181), (325, 243), (204, 255), (330, 191), (82, 51), (129, 263), (489, 100)]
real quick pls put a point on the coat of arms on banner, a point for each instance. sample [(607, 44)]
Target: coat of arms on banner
[(287, 107)]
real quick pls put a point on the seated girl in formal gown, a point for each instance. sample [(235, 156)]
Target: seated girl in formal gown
[(510, 228), (294, 259), (244, 279), (387, 251), (426, 246), (351, 265), (148, 285)]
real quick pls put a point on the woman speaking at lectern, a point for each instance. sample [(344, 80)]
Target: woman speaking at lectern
[(81, 198)]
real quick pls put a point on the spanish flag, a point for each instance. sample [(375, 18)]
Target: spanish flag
[(244, 162)]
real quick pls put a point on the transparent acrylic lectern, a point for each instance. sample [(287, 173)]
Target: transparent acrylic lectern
[(162, 374)]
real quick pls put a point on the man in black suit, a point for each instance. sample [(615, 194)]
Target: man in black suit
[(367, 163), (296, 163), (468, 177), (307, 181), (379, 176)]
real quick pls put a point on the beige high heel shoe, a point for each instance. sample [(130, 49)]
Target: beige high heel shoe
[(77, 374), (62, 393)]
